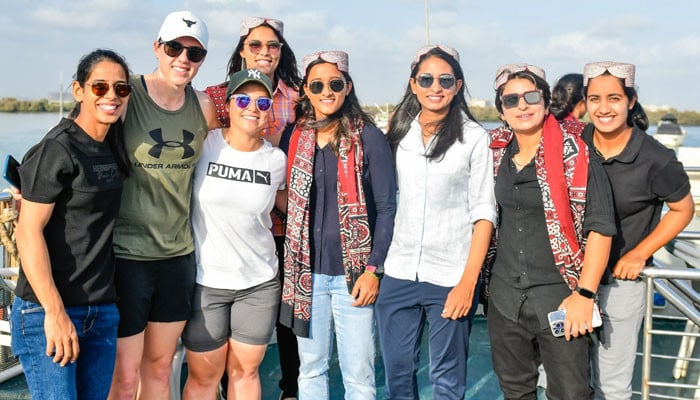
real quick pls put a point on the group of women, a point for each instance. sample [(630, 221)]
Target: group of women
[(544, 213)]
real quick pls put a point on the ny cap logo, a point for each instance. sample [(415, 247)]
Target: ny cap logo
[(253, 73)]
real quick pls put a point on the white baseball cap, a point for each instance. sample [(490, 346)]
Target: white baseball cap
[(184, 23)]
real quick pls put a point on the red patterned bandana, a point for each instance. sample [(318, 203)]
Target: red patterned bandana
[(355, 237), (561, 165)]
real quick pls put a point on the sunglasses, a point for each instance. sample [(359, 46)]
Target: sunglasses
[(273, 46), (426, 81), (174, 48), (336, 85), (264, 104), (100, 88), (512, 100)]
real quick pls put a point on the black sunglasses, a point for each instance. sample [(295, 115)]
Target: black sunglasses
[(336, 85), (100, 88), (256, 46), (512, 100), (174, 48), (242, 101), (426, 80)]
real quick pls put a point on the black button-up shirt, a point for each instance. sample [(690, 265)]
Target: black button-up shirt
[(524, 266)]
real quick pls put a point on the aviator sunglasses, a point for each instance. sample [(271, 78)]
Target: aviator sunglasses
[(273, 46), (512, 100), (336, 85), (426, 80), (174, 48), (100, 88), (243, 101)]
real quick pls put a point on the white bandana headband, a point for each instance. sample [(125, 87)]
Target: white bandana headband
[(339, 58), (505, 71), (249, 23), (617, 69), (425, 49)]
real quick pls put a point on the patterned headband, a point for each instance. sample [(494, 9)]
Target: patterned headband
[(425, 49), (617, 69), (249, 23), (505, 71), (339, 58)]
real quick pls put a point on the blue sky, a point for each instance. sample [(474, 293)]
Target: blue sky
[(41, 39)]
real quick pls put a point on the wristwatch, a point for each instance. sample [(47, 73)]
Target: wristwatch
[(376, 270), (585, 292)]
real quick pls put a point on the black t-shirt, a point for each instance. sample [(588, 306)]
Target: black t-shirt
[(81, 177), (643, 176)]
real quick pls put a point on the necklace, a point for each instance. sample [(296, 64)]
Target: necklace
[(519, 165)]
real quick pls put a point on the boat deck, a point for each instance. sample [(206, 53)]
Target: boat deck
[(482, 382)]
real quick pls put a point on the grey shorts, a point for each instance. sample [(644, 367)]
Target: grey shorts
[(247, 316)]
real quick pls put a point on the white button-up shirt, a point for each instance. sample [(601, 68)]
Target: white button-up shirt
[(439, 202)]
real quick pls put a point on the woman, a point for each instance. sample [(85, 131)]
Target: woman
[(262, 46), (445, 217), (236, 298), (567, 98), (644, 175), (340, 216), (64, 317), (164, 130), (552, 201)]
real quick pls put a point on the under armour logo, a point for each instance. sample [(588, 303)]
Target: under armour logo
[(189, 23), (253, 73), (157, 136)]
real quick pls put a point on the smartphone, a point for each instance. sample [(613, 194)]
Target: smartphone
[(11, 171), (556, 320)]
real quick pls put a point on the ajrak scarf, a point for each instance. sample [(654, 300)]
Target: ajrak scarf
[(561, 165), (355, 238)]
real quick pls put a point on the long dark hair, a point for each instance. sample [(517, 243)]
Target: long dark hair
[(347, 117), (566, 94), (450, 129), (115, 135), (636, 116), (287, 69)]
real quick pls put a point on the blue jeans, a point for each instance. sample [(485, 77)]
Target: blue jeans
[(90, 376), (333, 316), (402, 309)]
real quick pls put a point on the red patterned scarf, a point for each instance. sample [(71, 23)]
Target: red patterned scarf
[(355, 237), (561, 165)]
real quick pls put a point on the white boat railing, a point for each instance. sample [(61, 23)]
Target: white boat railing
[(673, 285)]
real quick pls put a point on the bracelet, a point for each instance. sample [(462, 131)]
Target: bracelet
[(585, 292)]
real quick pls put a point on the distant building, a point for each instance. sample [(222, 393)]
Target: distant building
[(54, 97), (653, 107), (479, 103)]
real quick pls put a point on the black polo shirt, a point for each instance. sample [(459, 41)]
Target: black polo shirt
[(524, 267), (643, 176)]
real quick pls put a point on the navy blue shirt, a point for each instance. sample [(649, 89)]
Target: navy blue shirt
[(379, 185)]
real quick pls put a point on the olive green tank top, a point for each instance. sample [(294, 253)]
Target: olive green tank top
[(163, 148)]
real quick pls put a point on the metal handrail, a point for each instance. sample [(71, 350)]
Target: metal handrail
[(672, 285)]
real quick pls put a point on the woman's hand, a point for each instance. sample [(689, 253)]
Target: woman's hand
[(459, 301), (61, 338), (366, 290), (579, 315), (629, 266)]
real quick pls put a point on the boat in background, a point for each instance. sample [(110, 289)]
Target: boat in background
[(669, 133)]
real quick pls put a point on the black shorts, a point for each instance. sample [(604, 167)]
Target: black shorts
[(153, 291)]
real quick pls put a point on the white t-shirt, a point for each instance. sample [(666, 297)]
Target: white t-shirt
[(438, 204), (234, 192)]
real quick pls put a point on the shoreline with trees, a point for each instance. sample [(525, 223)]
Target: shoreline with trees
[(482, 114)]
